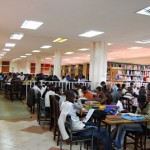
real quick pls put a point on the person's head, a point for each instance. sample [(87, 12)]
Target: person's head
[(118, 85), (51, 87), (103, 83), (21, 73), (70, 96), (10, 74), (123, 86), (76, 92), (63, 77), (58, 90), (14, 75), (119, 90), (130, 90), (131, 84), (108, 86), (29, 77), (98, 90), (76, 86), (83, 77), (38, 84), (84, 89)]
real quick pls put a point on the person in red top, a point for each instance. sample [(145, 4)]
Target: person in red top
[(86, 93)]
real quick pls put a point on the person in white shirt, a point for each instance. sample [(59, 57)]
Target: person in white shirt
[(68, 108), (37, 88), (124, 91), (21, 76)]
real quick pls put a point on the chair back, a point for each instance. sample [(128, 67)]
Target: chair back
[(16, 86), (52, 106), (68, 124), (31, 98)]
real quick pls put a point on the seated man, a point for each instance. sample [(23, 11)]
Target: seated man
[(67, 107), (132, 127), (86, 93)]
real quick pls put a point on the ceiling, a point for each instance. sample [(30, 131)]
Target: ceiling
[(68, 19)]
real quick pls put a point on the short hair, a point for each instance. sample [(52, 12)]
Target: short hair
[(69, 93), (99, 88), (103, 82), (84, 88), (123, 85), (57, 89), (118, 85)]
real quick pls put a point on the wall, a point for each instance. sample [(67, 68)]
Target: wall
[(13, 67)]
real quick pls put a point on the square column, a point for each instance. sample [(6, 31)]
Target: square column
[(37, 64), (57, 63), (98, 63)]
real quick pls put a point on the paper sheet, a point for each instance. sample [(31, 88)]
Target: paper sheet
[(88, 116)]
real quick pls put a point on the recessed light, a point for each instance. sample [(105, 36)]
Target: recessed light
[(68, 53), (46, 46), (145, 11), (135, 47), (23, 56), (28, 54), (91, 33), (6, 49), (110, 44), (36, 51), (60, 40), (31, 24), (10, 44), (143, 41), (16, 36), (83, 49), (48, 58)]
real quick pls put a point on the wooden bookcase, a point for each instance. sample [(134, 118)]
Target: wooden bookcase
[(5, 66)]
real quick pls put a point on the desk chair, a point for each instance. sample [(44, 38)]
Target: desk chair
[(73, 135)]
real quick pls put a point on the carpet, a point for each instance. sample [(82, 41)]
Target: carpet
[(12, 110)]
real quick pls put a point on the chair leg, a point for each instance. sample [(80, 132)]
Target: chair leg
[(70, 145), (58, 138), (125, 142), (80, 145), (60, 142)]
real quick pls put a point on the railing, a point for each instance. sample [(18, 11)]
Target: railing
[(64, 85)]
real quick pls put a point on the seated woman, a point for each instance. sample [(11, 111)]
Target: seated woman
[(67, 108), (86, 93), (133, 127)]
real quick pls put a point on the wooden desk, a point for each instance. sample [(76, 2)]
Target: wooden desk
[(109, 122)]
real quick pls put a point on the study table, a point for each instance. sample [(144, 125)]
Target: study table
[(109, 122)]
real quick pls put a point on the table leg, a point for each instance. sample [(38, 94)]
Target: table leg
[(145, 136)]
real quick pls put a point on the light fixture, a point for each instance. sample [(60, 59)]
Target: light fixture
[(135, 48), (66, 59), (46, 46), (91, 33), (36, 51), (48, 58), (60, 40), (6, 49), (145, 11), (3, 52), (23, 56), (31, 24), (16, 36), (110, 44), (68, 53), (28, 54), (83, 49), (10, 44), (143, 41)]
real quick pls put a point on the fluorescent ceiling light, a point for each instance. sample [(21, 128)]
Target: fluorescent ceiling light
[(16, 36), (66, 59), (31, 24), (10, 44), (23, 56), (3, 52), (68, 53), (6, 49), (28, 54), (60, 40), (135, 47), (36, 51), (143, 41), (91, 33), (48, 58), (145, 11), (46, 46), (110, 44), (83, 49)]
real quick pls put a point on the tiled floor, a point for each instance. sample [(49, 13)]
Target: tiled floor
[(26, 134)]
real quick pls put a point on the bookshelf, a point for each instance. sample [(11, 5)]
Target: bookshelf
[(5, 66)]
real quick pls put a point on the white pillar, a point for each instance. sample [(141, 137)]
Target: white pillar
[(27, 67), (0, 66), (98, 63), (37, 64), (57, 63)]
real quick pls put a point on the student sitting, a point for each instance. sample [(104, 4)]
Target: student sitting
[(86, 93), (67, 108)]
